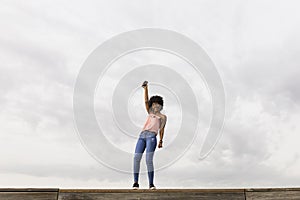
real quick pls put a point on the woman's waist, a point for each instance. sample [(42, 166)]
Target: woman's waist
[(148, 132)]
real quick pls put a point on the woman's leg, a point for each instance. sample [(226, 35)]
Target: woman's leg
[(151, 145), (139, 150)]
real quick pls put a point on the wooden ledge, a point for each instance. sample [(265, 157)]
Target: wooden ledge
[(147, 190)]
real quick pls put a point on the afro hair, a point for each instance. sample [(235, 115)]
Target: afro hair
[(156, 99)]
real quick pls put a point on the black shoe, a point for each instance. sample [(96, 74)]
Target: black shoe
[(152, 187), (135, 186)]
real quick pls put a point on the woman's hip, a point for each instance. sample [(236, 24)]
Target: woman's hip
[(146, 133)]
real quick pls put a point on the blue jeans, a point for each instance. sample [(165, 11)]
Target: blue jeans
[(146, 140)]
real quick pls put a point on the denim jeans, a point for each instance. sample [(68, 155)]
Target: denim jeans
[(147, 140)]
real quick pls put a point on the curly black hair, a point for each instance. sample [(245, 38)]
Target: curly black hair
[(156, 99)]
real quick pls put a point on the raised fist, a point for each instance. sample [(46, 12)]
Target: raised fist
[(145, 84)]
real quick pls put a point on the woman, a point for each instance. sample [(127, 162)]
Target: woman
[(154, 124)]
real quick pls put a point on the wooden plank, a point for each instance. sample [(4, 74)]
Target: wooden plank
[(28, 193), (99, 194), (272, 194), (148, 190)]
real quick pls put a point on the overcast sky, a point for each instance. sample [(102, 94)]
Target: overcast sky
[(254, 45)]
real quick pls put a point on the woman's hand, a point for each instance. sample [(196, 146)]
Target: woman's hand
[(160, 144), (145, 84)]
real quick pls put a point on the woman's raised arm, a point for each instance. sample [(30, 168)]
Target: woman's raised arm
[(145, 86)]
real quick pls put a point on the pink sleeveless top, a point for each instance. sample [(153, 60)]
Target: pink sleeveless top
[(152, 123)]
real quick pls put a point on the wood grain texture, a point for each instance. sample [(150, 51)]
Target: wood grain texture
[(28, 193), (163, 194), (273, 194)]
